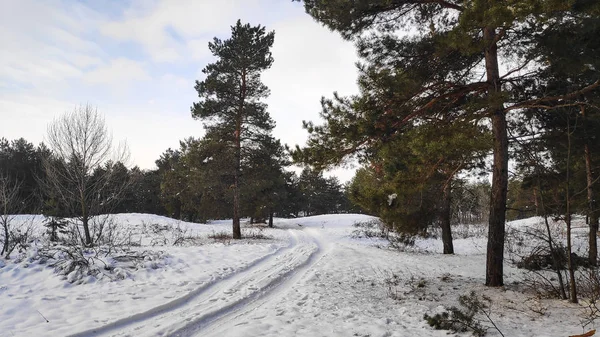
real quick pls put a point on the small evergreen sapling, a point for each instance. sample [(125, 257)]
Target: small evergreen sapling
[(463, 319), (54, 224)]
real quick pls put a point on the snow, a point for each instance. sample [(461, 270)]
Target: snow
[(310, 277)]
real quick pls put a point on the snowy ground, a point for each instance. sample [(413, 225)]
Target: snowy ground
[(309, 277)]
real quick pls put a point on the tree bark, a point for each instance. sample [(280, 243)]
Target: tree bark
[(85, 220), (592, 214), (445, 220), (592, 211), (237, 232), (271, 219), (573, 285), (6, 236), (495, 246)]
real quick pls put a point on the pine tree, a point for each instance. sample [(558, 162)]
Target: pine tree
[(230, 96), (264, 179), (436, 67)]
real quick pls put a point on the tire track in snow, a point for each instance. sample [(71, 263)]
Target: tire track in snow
[(214, 300), (206, 326), (183, 300)]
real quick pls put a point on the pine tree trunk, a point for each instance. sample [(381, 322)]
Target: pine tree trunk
[(271, 219), (445, 221), (555, 259), (592, 213), (573, 285), (176, 212), (495, 246), (237, 232)]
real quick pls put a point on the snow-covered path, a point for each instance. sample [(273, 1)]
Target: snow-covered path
[(314, 278), (215, 302)]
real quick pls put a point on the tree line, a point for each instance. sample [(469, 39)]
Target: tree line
[(180, 187)]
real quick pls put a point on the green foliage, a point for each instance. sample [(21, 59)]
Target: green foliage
[(320, 195), (54, 226), (462, 319), (231, 92), (21, 162), (230, 99)]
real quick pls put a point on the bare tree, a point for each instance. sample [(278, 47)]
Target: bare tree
[(80, 169), (10, 205)]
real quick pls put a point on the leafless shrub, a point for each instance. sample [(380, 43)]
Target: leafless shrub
[(589, 289), (81, 170), (181, 236), (255, 233), (76, 262), (222, 236), (370, 229), (9, 206)]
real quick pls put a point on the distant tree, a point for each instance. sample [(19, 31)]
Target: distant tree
[(264, 179), (196, 179), (230, 96), (21, 162), (10, 204), (144, 192), (81, 146), (320, 195), (171, 184), (292, 204)]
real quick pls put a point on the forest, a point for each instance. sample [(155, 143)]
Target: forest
[(468, 112)]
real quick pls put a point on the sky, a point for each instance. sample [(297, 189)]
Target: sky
[(137, 62)]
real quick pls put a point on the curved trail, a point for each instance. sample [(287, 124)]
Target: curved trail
[(274, 290), (209, 306)]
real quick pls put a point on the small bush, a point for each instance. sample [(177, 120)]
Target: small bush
[(221, 236), (541, 258), (370, 229), (400, 241), (462, 319), (256, 233)]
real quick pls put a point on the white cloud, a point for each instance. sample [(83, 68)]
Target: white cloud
[(177, 81), (199, 48), (189, 20), (56, 54), (310, 62), (120, 72), (41, 45), (27, 116)]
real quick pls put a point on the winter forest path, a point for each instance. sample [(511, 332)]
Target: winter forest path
[(217, 304)]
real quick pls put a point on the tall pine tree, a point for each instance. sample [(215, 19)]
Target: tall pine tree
[(425, 58), (230, 96)]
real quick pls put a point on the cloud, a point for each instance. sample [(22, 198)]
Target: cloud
[(199, 48), (310, 62), (43, 43), (137, 61), (120, 72), (177, 81), (172, 29)]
